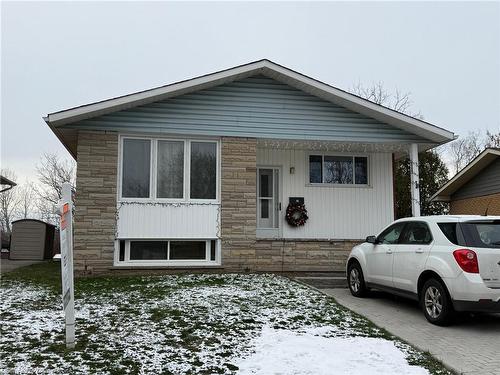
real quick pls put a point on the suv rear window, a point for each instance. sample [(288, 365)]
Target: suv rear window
[(485, 234), (450, 231), (482, 233)]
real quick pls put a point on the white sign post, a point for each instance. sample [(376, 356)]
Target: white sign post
[(66, 234)]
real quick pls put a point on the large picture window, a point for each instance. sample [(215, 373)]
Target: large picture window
[(136, 168), (170, 169), (203, 170), (339, 170), (182, 169)]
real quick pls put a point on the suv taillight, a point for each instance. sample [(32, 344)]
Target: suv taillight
[(467, 260)]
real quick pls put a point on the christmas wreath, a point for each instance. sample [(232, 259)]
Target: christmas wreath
[(296, 214)]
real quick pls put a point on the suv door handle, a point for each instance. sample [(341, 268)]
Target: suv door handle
[(388, 251), (419, 251)]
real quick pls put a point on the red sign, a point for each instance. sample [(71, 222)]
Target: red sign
[(64, 216)]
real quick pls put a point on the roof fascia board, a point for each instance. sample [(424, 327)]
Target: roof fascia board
[(61, 138)]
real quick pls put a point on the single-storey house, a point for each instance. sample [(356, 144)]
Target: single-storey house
[(200, 173), (475, 190)]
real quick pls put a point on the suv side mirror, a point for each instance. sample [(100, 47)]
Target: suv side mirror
[(372, 239)]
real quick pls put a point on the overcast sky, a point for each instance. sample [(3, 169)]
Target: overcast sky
[(59, 55)]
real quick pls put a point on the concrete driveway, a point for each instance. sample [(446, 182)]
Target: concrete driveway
[(471, 346)]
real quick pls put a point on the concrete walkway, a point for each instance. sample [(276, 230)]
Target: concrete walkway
[(471, 346), (7, 265)]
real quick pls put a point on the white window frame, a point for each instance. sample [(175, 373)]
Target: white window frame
[(328, 184), (120, 170), (153, 170), (188, 172), (162, 262)]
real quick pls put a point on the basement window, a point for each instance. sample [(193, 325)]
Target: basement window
[(169, 252)]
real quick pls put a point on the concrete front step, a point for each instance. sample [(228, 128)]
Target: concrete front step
[(320, 277), (322, 282), (316, 274)]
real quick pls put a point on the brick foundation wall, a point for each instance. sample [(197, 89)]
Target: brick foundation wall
[(476, 206), (238, 201), (95, 202)]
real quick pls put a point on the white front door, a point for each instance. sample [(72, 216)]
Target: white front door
[(268, 202)]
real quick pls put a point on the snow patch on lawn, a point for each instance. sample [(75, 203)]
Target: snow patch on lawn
[(285, 352)]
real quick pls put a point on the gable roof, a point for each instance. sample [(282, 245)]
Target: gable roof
[(432, 133), (471, 170)]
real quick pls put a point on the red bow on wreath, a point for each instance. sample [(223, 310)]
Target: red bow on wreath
[(296, 214)]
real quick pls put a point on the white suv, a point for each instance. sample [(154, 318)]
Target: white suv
[(447, 263)]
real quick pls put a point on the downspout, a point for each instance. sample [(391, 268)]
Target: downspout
[(414, 181), (394, 207)]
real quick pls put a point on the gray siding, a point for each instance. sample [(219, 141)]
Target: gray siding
[(257, 107), (28, 240), (485, 182)]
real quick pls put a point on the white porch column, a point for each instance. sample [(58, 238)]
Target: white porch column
[(414, 180)]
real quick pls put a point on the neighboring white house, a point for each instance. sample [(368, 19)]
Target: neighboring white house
[(199, 173)]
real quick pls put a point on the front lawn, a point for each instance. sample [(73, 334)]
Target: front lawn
[(195, 324)]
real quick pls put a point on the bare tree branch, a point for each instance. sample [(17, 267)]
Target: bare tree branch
[(464, 149), (8, 202), (26, 195), (52, 173), (377, 93)]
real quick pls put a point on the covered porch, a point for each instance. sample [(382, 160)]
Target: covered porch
[(346, 187)]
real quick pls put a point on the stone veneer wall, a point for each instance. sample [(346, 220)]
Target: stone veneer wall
[(476, 205), (95, 217), (238, 202), (290, 255), (241, 250), (95, 202)]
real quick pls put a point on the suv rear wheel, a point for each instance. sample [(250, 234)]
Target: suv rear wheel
[(436, 303), (356, 281)]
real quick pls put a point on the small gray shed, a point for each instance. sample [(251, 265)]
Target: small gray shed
[(32, 239)]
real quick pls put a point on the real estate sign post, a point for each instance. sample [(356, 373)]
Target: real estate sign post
[(66, 234)]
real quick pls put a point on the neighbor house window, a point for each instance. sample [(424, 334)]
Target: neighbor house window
[(136, 168), (157, 251), (341, 170), (175, 169)]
